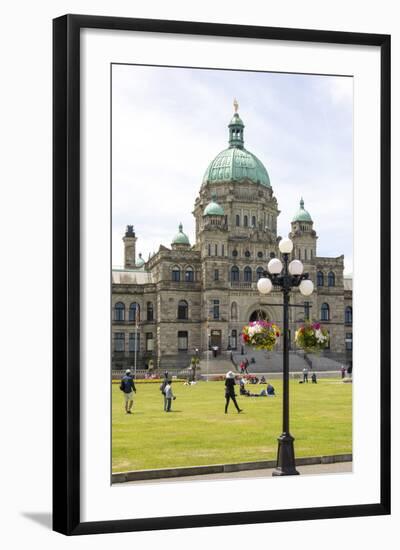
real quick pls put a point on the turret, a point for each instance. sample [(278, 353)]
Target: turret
[(129, 247), (303, 235)]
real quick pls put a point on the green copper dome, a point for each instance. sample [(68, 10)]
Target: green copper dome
[(181, 237), (140, 262), (302, 215), (236, 163), (213, 208)]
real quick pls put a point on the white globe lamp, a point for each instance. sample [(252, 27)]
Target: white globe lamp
[(296, 267), (264, 285), (285, 245), (275, 266), (306, 287)]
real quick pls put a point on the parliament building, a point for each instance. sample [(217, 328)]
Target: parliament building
[(189, 297)]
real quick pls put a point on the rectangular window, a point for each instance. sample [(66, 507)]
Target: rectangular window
[(119, 341), (306, 311), (149, 341), (349, 341), (209, 250), (216, 275), (134, 342), (216, 249), (223, 250), (215, 309), (182, 340), (234, 339)]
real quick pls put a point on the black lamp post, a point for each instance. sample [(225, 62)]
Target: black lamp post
[(286, 276)]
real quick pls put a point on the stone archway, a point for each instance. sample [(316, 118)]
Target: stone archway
[(258, 315)]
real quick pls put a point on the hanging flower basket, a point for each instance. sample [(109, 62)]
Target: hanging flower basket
[(261, 335), (312, 337)]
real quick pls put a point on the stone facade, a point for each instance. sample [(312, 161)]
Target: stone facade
[(192, 297)]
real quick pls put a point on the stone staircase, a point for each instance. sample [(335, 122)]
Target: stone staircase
[(217, 365), (271, 361)]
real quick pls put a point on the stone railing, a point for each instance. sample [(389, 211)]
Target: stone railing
[(243, 285)]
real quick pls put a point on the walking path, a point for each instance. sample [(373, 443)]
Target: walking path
[(335, 468)]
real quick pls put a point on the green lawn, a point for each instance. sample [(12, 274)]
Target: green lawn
[(198, 432)]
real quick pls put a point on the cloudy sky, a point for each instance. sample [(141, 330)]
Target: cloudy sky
[(169, 123)]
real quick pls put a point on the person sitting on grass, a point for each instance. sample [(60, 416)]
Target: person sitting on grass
[(169, 396), (128, 387), (270, 390), (314, 378), (262, 380)]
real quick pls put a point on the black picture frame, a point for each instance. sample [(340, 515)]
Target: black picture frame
[(66, 272)]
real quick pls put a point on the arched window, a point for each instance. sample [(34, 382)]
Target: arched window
[(150, 311), (272, 255), (259, 272), (189, 274), (237, 220), (119, 312), (183, 309), (253, 221), (245, 221), (235, 253), (176, 273), (134, 312), (348, 315), (320, 278), (234, 274), (234, 311), (331, 279), (325, 312), (248, 274)]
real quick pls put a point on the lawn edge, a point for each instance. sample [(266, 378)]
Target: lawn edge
[(162, 473)]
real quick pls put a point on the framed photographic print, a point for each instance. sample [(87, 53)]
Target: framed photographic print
[(221, 274)]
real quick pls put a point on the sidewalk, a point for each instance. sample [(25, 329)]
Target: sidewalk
[(335, 468)]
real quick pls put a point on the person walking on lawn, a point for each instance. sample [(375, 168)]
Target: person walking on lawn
[(162, 388), (230, 391), (128, 387), (169, 396)]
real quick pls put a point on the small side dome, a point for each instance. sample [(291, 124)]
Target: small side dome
[(181, 237), (302, 215), (140, 262), (213, 208)]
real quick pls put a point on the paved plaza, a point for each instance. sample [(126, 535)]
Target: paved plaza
[(336, 468)]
